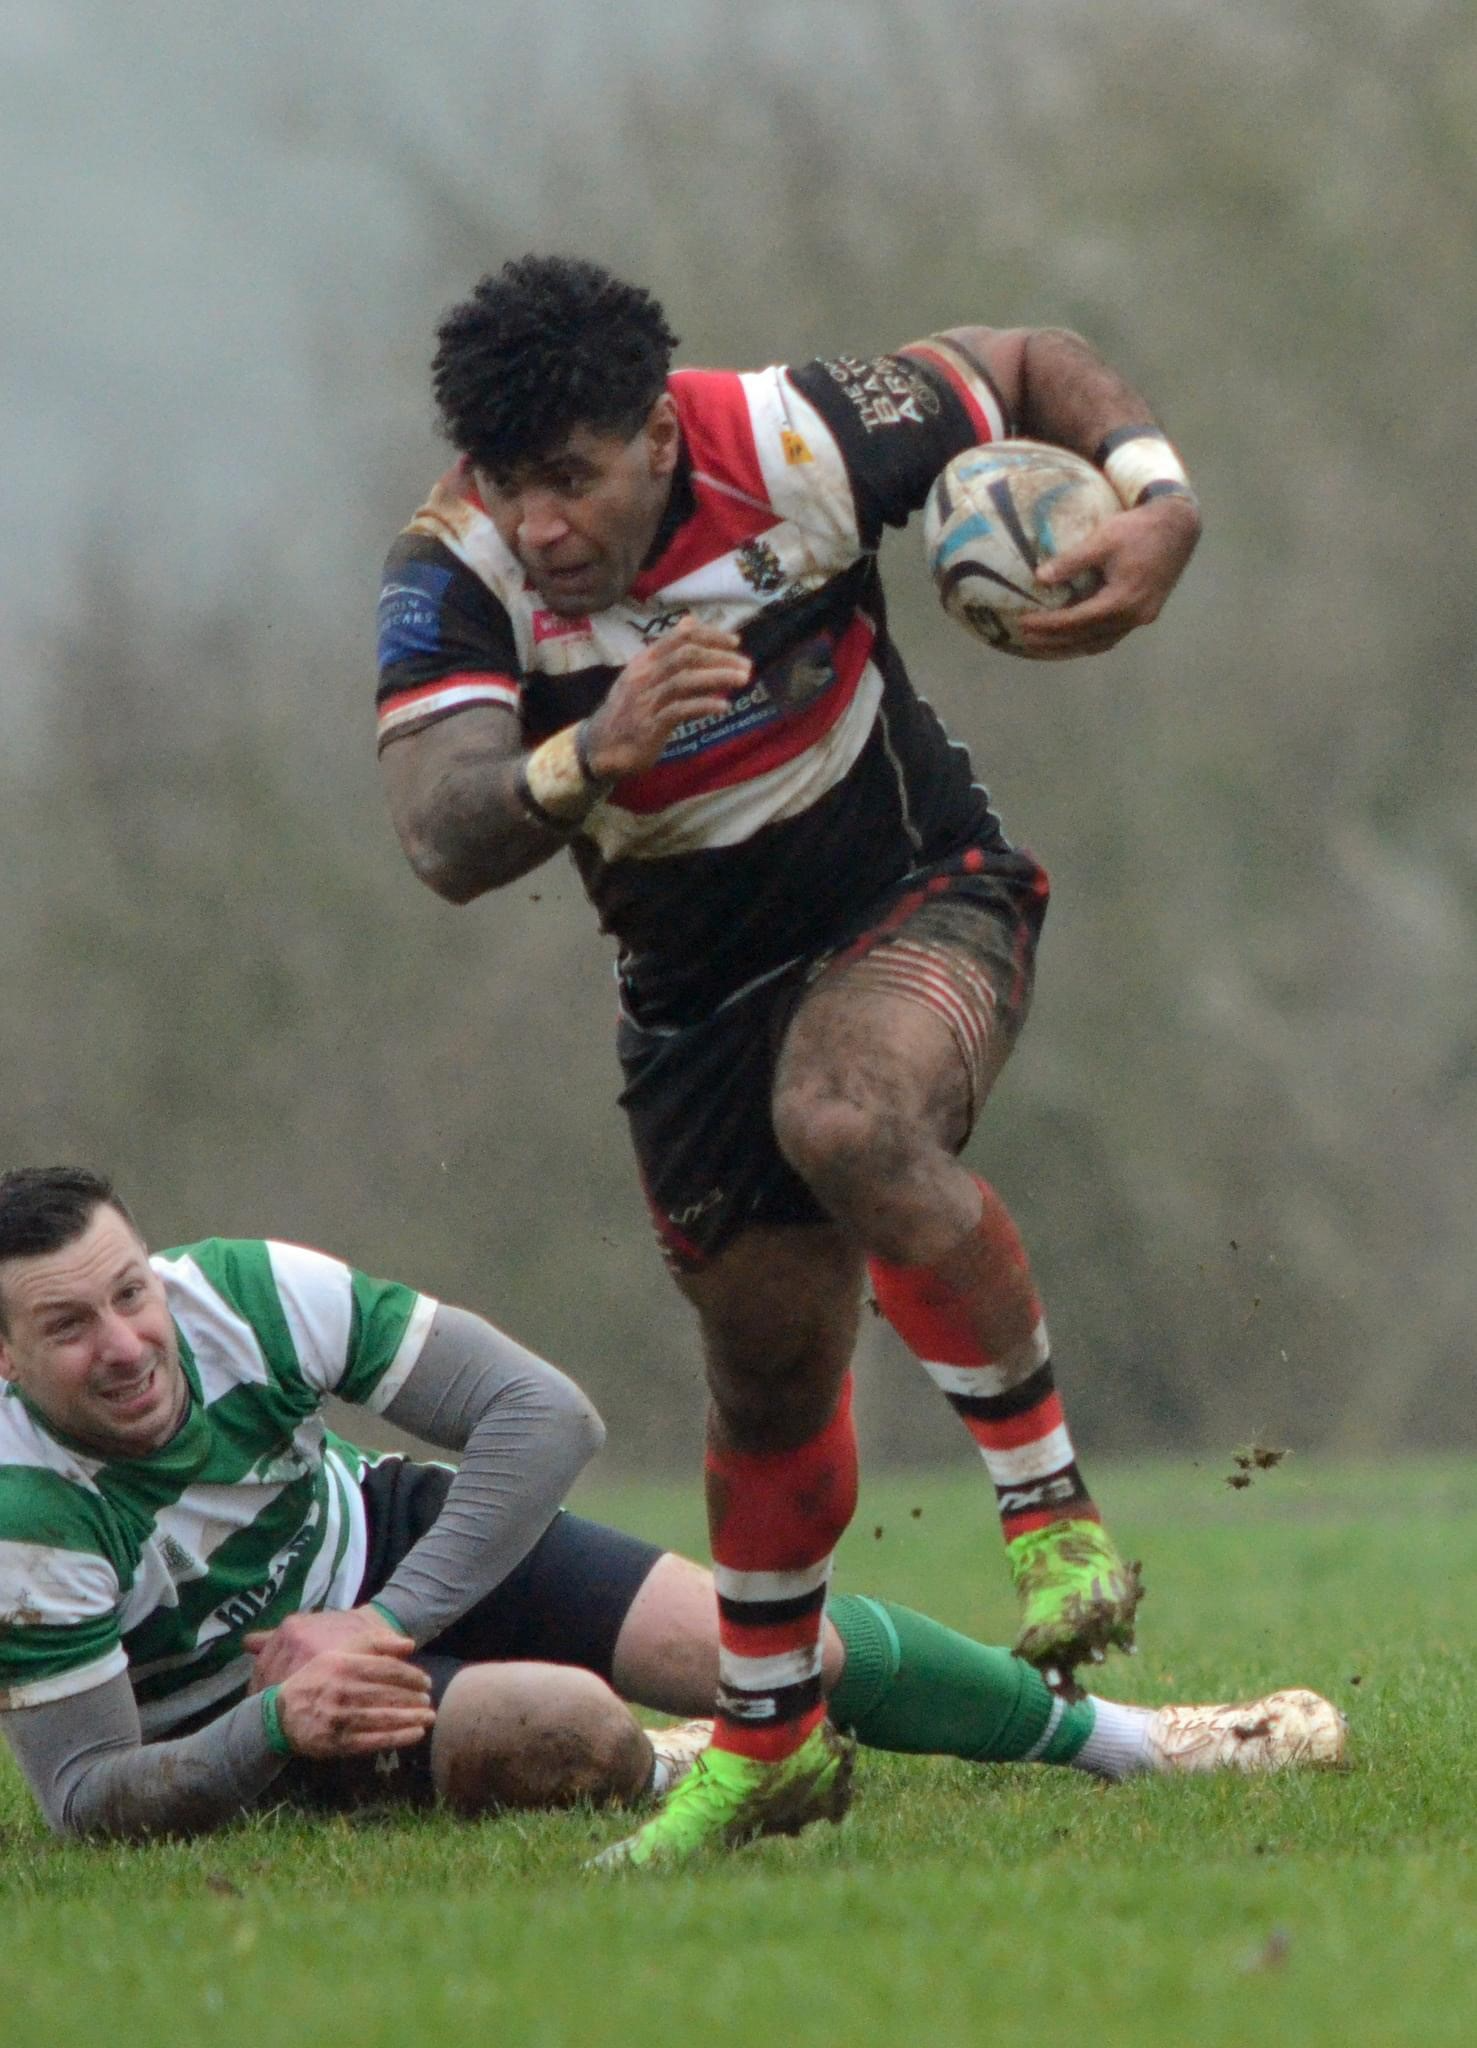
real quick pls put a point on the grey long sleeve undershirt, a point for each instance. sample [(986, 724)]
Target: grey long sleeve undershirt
[(525, 1432)]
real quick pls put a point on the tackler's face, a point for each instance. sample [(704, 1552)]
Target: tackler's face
[(90, 1342), (582, 520)]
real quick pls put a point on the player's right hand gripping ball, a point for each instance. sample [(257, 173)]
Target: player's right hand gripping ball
[(993, 516)]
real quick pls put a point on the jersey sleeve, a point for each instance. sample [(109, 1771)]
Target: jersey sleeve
[(445, 640), (897, 419), (59, 1590), (353, 1336)]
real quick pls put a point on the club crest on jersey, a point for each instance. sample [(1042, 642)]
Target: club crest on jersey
[(796, 447), (760, 567), (554, 626), (179, 1562)]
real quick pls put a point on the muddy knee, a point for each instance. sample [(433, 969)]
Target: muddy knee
[(881, 1174), (843, 1147), (511, 1735)]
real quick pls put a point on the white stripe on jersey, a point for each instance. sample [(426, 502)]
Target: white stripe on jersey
[(727, 816), (455, 697), (334, 1588), (224, 1345), (24, 1442), (40, 1585), (153, 1586), (398, 1371), (83, 1679), (317, 1296), (816, 495)]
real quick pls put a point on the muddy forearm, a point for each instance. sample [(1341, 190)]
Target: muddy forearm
[(1070, 396), (470, 830), (92, 1775)]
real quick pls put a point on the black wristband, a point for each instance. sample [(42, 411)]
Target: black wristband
[(535, 809), (1165, 488), (582, 755)]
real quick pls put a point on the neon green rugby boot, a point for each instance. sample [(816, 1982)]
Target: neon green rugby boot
[(1078, 1597), (726, 1800)]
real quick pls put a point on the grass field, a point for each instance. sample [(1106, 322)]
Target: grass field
[(957, 1905)]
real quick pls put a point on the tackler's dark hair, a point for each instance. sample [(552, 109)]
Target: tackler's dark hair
[(43, 1208)]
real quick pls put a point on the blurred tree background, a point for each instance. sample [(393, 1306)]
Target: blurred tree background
[(1240, 1131)]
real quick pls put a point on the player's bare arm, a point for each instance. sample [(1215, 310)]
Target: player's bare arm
[(1057, 388), (474, 809), (453, 795)]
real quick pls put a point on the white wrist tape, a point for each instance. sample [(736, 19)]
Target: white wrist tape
[(1140, 463), (555, 781)]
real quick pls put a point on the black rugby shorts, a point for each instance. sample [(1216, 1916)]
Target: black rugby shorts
[(564, 1604), (698, 1096)]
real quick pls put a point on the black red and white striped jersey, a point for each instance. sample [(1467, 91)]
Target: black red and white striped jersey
[(760, 831)]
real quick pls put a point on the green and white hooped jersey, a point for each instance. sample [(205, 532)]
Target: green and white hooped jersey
[(252, 1511)]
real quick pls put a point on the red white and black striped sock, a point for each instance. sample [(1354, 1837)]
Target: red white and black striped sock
[(775, 1521), (975, 1325)]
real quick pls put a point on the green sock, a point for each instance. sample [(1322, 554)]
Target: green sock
[(911, 1684)]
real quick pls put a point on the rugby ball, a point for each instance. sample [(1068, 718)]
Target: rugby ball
[(993, 516)]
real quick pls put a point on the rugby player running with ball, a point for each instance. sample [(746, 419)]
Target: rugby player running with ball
[(640, 618)]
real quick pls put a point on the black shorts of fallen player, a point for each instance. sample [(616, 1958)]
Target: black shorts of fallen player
[(564, 1604), (959, 935)]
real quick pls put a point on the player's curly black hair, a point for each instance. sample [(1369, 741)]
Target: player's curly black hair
[(547, 344)]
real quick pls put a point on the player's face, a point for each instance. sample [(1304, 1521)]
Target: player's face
[(582, 521), (90, 1341)]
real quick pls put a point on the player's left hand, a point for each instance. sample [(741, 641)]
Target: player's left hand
[(1139, 554), (277, 1652)]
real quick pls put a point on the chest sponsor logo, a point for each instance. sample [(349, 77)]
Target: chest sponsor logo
[(886, 392), (754, 706), (244, 1608), (554, 626), (657, 624), (791, 682)]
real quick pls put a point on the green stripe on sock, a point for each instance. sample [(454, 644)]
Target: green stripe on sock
[(912, 1685)]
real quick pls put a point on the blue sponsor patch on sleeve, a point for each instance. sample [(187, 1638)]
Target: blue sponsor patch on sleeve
[(410, 612)]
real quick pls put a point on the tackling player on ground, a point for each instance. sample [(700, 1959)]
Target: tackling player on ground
[(209, 1602), (641, 618)]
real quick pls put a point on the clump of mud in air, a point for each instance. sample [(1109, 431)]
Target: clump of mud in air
[(1251, 1459)]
